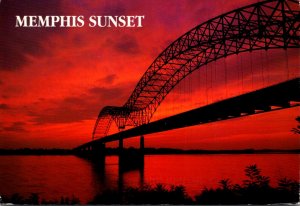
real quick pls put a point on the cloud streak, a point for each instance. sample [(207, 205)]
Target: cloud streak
[(79, 108), (16, 127), (18, 43)]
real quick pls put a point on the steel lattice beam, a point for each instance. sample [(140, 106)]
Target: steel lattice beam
[(265, 25)]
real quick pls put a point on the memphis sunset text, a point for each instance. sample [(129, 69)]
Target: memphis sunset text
[(79, 21)]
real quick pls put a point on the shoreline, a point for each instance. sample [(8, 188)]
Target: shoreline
[(147, 151)]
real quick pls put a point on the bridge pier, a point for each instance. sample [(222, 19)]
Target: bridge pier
[(142, 143), (94, 152), (98, 152), (131, 158), (121, 146)]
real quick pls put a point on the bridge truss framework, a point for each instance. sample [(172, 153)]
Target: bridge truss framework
[(265, 25)]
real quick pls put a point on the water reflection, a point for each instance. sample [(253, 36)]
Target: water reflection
[(55, 176), (193, 171), (116, 172)]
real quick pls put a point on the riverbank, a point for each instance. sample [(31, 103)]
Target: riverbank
[(114, 151), (255, 189)]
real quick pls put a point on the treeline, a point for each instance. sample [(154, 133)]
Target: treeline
[(255, 189), (34, 199), (28, 151), (199, 151), (115, 151)]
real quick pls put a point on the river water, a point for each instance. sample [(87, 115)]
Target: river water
[(55, 176)]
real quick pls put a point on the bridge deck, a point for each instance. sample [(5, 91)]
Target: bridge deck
[(262, 100)]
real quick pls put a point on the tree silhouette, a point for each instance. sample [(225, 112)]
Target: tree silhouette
[(297, 129), (256, 180), (225, 184)]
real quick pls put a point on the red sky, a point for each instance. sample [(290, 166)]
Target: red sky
[(54, 81)]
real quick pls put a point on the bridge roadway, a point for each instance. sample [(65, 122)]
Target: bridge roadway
[(271, 98)]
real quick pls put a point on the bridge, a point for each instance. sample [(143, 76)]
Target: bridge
[(267, 25)]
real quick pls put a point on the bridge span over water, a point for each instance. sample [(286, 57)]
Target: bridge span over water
[(267, 25), (280, 96)]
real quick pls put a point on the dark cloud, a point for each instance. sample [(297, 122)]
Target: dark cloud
[(127, 44), (113, 8), (5, 96), (79, 40), (109, 79), (107, 93), (16, 127), (82, 107), (4, 106), (16, 43)]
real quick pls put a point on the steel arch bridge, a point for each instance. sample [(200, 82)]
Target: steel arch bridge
[(265, 25)]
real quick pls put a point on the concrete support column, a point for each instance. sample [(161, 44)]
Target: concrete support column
[(102, 148), (121, 146), (142, 143), (98, 152)]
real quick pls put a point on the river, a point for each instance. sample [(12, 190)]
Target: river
[(55, 176)]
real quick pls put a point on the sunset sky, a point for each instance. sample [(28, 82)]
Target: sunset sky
[(54, 81)]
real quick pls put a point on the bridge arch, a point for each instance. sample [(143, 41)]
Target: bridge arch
[(270, 24)]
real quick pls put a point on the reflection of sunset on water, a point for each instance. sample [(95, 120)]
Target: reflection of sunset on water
[(46, 175)]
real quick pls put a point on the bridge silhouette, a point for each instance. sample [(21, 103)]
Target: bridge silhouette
[(271, 24)]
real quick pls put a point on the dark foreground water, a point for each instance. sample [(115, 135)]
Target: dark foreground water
[(55, 176)]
